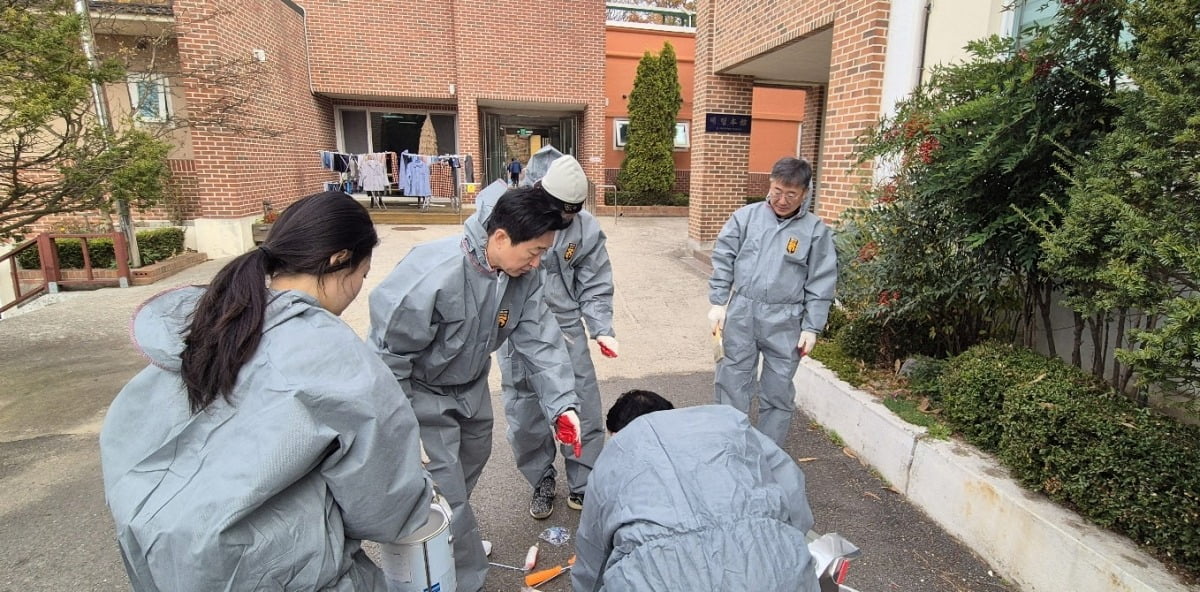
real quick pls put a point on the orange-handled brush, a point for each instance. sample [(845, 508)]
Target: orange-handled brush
[(542, 576)]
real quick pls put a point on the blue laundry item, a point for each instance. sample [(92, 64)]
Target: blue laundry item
[(416, 179)]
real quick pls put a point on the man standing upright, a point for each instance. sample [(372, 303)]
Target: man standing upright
[(773, 279), (437, 318), (514, 172), (579, 291)]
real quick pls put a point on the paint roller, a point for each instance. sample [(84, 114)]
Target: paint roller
[(541, 577)]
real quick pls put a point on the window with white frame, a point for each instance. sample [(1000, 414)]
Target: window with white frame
[(148, 95), (683, 134)]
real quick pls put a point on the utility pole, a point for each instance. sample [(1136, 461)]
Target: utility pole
[(81, 8)]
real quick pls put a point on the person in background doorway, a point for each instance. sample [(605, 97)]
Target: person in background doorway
[(579, 291), (692, 499), (774, 273), (514, 173), (437, 318), (264, 440)]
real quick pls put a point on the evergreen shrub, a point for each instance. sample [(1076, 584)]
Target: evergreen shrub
[(974, 384), (155, 245)]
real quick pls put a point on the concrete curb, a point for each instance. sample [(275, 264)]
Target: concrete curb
[(1031, 541)]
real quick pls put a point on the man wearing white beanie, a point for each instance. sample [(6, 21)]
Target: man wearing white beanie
[(579, 291)]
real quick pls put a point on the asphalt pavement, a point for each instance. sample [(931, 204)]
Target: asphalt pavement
[(65, 357)]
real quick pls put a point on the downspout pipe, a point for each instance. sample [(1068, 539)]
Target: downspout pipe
[(89, 51)]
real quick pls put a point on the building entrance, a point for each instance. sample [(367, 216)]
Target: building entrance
[(518, 135)]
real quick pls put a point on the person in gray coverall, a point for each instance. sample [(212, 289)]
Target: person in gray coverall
[(437, 318), (692, 499), (773, 279), (264, 440), (579, 290)]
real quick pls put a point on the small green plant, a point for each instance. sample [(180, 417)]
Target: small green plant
[(908, 410), (847, 368), (835, 438)]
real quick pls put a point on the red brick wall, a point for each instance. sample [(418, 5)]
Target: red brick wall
[(810, 140), (720, 161), (237, 170), (543, 51), (852, 102), (400, 48), (504, 54)]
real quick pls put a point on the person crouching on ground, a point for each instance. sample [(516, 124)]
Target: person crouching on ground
[(265, 440), (692, 499)]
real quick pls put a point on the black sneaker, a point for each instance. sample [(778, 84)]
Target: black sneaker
[(542, 504), (575, 501)]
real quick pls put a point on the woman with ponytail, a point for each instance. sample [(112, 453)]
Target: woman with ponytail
[(265, 440)]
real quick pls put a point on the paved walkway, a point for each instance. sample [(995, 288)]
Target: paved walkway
[(61, 365)]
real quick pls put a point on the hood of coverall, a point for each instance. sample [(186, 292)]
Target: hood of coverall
[(161, 323), (475, 227)]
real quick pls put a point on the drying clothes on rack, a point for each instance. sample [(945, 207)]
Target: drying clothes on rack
[(416, 177), (373, 177), (335, 161), (372, 174)]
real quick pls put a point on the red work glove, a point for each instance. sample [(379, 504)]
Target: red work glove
[(567, 431), (608, 346)]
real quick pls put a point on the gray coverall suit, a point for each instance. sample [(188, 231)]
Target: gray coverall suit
[(435, 320), (317, 451), (579, 290), (782, 276), (694, 499)]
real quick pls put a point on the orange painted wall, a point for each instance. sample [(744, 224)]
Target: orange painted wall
[(623, 49), (776, 117), (777, 113)]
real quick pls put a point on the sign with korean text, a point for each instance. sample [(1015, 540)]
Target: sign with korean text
[(729, 123)]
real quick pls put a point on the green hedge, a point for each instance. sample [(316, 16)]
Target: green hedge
[(631, 198), (973, 385), (1065, 434), (1126, 468), (155, 245)]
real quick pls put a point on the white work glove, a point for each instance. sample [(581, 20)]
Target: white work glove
[(567, 431), (608, 346), (716, 317), (424, 457), (807, 340)]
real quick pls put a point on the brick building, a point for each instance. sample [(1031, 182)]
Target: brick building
[(854, 59), (777, 112), (499, 79), (493, 78), (833, 50)]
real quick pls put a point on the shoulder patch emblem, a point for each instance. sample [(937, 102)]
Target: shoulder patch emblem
[(502, 318), (791, 248), (570, 252)]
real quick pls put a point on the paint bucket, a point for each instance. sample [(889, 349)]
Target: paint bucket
[(423, 562)]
